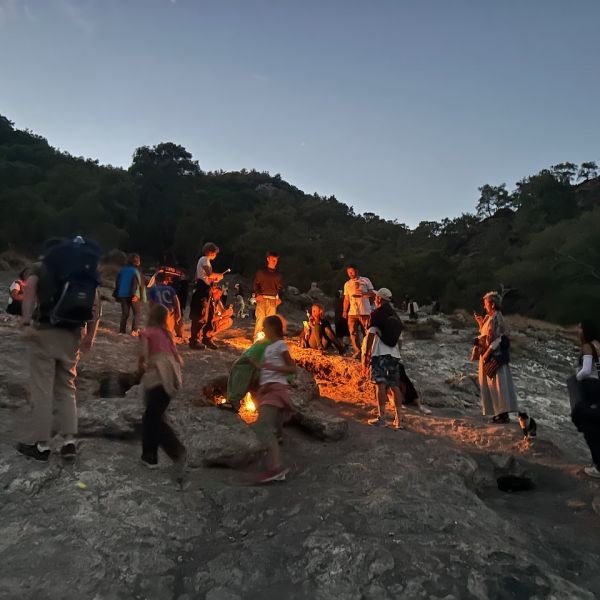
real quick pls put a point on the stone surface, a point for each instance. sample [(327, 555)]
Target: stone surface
[(378, 515)]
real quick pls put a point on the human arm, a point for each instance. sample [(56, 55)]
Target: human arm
[(29, 299), (91, 327), (587, 361), (366, 358), (257, 286), (346, 306), (370, 292), (143, 355)]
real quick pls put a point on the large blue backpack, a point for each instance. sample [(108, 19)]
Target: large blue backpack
[(72, 279)]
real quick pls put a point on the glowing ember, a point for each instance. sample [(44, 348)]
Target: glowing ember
[(259, 336), (221, 400)]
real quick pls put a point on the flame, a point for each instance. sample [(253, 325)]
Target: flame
[(248, 410), (249, 403), (259, 336), (221, 400)]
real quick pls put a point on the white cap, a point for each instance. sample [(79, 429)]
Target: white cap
[(384, 294)]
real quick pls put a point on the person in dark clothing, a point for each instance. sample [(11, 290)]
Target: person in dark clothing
[(341, 324), (320, 335), (584, 388), (268, 287), (177, 279), (200, 306)]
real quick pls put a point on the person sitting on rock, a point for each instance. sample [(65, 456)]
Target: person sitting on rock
[(318, 334), (382, 356), (273, 396), (585, 410), (220, 317), (162, 293), (159, 364)]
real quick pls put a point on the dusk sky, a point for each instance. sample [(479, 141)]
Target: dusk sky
[(403, 108)]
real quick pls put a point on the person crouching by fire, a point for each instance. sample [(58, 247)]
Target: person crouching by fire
[(220, 317), (273, 397)]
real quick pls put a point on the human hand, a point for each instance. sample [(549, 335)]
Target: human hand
[(259, 298), (135, 299), (278, 302), (345, 314)]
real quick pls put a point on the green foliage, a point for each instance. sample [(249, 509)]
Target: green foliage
[(541, 240)]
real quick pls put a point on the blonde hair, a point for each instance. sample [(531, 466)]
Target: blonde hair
[(495, 298)]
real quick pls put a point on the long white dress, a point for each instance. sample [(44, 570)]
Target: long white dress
[(498, 393)]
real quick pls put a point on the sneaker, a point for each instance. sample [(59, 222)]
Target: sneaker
[(592, 472), (150, 463), (208, 343), (33, 451), (268, 476), (69, 450)]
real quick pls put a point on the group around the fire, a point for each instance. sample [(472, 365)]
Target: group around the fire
[(58, 304)]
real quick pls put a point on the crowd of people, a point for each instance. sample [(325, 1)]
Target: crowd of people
[(59, 305)]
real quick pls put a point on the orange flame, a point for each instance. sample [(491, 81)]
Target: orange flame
[(248, 410)]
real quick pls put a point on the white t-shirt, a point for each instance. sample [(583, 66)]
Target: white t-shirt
[(15, 286), (358, 305), (274, 355), (204, 269), (381, 349)]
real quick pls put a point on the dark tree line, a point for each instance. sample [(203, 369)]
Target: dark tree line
[(541, 239)]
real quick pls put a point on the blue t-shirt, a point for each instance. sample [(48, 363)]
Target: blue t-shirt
[(163, 294), (125, 282)]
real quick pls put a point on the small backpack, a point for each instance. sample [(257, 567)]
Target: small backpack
[(73, 279), (391, 331)]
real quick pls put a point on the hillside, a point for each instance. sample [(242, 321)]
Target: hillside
[(375, 515), (539, 240)]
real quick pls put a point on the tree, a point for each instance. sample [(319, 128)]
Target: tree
[(564, 172), (492, 198), (587, 170)]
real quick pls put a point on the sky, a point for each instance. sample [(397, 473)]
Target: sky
[(399, 107)]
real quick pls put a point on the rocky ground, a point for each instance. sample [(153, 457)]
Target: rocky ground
[(375, 515)]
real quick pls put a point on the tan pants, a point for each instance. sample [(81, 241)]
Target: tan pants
[(264, 309), (54, 354)]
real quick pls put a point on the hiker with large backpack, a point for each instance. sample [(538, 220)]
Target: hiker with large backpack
[(61, 310), (382, 356)]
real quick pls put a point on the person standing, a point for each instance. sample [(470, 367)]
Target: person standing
[(200, 305), (159, 364), (130, 292), (61, 310), (162, 293), (268, 288), (585, 410), (498, 394), (382, 356), (358, 292)]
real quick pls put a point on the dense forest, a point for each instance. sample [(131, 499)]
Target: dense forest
[(540, 240)]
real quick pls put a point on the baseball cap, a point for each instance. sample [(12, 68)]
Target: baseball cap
[(384, 294)]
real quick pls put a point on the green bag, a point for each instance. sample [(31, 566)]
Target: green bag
[(243, 373)]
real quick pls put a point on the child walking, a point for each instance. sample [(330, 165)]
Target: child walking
[(160, 365), (273, 397)]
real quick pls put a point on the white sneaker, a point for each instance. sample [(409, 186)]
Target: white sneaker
[(592, 472)]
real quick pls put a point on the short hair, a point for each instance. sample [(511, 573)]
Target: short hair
[(495, 298), (352, 266), (131, 257), (161, 277), (158, 316), (272, 253), (276, 322), (209, 248)]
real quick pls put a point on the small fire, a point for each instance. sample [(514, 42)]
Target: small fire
[(221, 400), (249, 403), (248, 410), (259, 336)]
